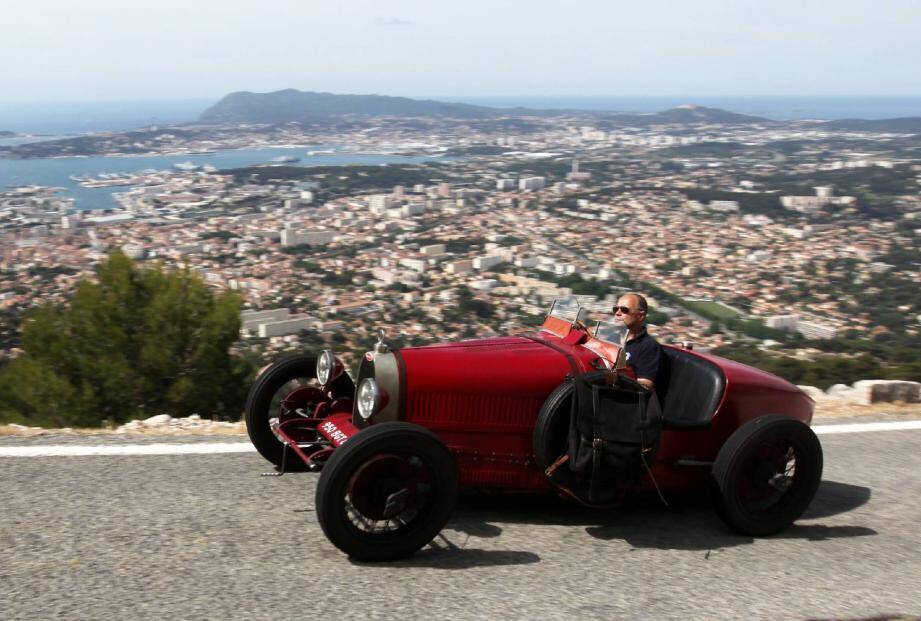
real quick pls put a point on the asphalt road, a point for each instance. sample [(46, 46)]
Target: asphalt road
[(204, 537)]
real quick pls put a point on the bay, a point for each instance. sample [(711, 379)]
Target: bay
[(56, 172)]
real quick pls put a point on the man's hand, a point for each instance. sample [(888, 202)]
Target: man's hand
[(645, 383)]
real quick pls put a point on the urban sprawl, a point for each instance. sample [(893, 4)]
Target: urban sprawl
[(716, 222)]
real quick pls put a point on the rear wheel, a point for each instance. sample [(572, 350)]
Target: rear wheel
[(387, 491), (766, 474), (291, 376)]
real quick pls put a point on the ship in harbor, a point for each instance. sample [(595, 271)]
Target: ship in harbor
[(186, 166), (285, 159)]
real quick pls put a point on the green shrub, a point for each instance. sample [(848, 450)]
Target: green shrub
[(137, 342)]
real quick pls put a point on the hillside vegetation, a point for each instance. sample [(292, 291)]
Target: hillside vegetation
[(135, 343)]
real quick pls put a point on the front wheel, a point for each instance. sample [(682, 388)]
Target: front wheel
[(766, 474), (387, 491), (263, 404)]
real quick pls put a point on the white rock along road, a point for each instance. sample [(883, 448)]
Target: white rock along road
[(214, 448)]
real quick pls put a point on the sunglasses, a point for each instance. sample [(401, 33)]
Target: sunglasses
[(622, 309)]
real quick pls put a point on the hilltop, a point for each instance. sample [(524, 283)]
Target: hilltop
[(291, 105), (687, 114)]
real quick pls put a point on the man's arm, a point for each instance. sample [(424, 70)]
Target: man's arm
[(646, 366)]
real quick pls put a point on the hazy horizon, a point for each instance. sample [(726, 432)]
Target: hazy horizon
[(212, 99), (70, 117), (107, 50)]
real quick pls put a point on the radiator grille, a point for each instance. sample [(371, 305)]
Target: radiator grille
[(474, 411)]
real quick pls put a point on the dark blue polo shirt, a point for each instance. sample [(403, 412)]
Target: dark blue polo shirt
[(643, 356)]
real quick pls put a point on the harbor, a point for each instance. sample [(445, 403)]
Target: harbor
[(92, 181)]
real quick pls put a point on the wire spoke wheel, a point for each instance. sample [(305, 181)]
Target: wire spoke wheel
[(766, 475), (285, 390), (387, 491)]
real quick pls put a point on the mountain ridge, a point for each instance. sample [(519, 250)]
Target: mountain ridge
[(898, 125), (291, 105)]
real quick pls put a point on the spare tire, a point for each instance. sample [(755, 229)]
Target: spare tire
[(551, 431)]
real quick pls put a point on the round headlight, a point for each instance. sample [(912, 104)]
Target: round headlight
[(368, 398), (325, 364)]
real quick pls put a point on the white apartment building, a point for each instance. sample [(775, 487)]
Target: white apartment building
[(724, 206), (532, 183), (290, 237), (412, 209), (292, 325), (459, 267), (808, 204), (296, 203), (782, 322), (484, 285), (384, 275), (253, 318), (433, 249), (417, 265), (814, 330), (526, 262), (379, 203), (486, 262)]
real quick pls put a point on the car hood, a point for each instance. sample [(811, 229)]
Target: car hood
[(511, 367)]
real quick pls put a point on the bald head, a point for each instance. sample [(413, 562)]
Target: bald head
[(633, 300), (631, 310)]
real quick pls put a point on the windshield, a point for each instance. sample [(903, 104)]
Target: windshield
[(610, 331), (567, 308), (598, 319)]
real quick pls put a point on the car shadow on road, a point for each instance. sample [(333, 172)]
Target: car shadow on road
[(687, 523), (445, 554), (834, 498)]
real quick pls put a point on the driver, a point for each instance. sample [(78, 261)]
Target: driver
[(643, 352)]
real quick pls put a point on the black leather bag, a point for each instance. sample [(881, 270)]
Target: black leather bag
[(614, 432)]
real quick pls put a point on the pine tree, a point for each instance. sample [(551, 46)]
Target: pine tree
[(134, 343)]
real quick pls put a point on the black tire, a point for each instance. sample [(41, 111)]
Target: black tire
[(766, 474), (388, 451), (551, 431), (259, 404)]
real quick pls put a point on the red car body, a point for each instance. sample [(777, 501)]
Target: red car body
[(490, 413), (482, 398)]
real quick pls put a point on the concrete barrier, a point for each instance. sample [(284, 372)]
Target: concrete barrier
[(868, 392)]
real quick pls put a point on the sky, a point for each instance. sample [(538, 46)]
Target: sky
[(200, 49)]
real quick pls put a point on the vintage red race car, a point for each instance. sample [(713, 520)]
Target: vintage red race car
[(498, 413)]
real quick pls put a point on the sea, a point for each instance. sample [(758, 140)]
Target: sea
[(57, 172), (45, 121)]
